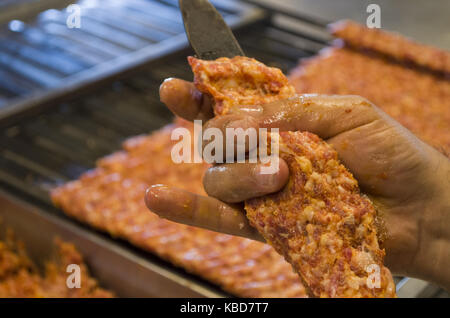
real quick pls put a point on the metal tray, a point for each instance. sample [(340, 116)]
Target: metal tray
[(126, 273), (109, 70)]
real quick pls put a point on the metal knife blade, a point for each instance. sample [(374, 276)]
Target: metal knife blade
[(207, 32)]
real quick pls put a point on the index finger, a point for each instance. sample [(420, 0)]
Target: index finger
[(184, 100), (197, 210)]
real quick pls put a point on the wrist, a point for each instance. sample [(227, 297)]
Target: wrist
[(431, 261)]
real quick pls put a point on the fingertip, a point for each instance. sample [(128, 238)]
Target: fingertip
[(269, 180), (169, 91), (241, 121), (283, 174), (236, 182), (184, 100), (155, 198)]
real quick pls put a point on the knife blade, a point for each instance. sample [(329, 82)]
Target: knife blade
[(207, 32)]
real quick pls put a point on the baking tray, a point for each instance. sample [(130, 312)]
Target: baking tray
[(121, 270), (126, 272)]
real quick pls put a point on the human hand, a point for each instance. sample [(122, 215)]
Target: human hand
[(400, 173)]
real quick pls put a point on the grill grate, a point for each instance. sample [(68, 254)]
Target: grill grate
[(43, 53)]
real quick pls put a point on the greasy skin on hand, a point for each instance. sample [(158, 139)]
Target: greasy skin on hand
[(384, 70), (319, 222), (110, 198)]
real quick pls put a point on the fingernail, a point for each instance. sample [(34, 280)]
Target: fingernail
[(273, 181), (252, 110), (153, 195), (244, 123), (165, 90), (267, 182)]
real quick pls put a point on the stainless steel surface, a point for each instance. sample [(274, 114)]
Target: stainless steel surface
[(207, 32), (26, 9), (416, 288), (124, 272), (42, 59)]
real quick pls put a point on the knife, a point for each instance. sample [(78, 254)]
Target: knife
[(207, 32)]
